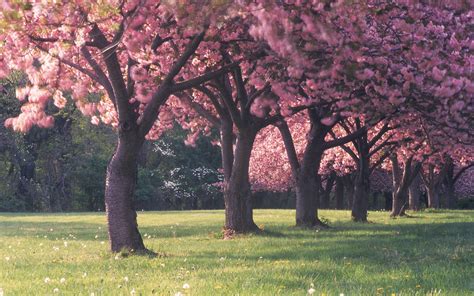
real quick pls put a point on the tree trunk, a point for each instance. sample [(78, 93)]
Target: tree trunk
[(307, 192), (339, 193), (307, 195), (414, 194), (433, 197), (449, 181), (399, 201), (401, 183), (237, 194), (119, 189), (360, 202)]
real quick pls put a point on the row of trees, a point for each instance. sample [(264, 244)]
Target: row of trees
[(380, 80), (63, 168)]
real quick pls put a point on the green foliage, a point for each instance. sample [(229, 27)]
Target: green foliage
[(407, 256)]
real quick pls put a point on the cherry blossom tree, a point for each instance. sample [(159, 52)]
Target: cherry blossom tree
[(131, 54)]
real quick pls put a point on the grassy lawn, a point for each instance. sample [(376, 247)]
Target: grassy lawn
[(66, 254)]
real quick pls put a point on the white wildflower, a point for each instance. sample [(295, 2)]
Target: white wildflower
[(133, 292), (186, 286), (7, 258), (55, 290), (311, 291), (179, 294), (125, 279), (65, 244), (47, 280), (102, 242), (62, 280)]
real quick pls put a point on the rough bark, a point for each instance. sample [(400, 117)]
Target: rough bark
[(432, 182), (414, 194), (307, 202), (433, 197), (360, 202), (401, 184), (449, 181), (237, 195), (119, 189)]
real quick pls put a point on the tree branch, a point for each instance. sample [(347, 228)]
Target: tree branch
[(161, 95), (462, 171), (289, 147), (186, 98), (345, 139), (194, 82)]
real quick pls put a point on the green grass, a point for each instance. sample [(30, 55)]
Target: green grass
[(411, 256)]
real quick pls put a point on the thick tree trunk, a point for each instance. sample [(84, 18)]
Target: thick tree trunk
[(399, 202), (119, 189), (433, 197), (401, 184), (237, 194), (360, 202), (307, 195), (339, 193), (414, 194), (449, 181), (307, 192)]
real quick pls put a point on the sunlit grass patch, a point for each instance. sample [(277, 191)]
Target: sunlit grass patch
[(67, 254)]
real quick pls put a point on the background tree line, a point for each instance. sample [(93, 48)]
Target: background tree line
[(63, 169)]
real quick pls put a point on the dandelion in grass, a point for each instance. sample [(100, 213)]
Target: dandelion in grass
[(96, 236), (47, 280), (186, 286), (133, 292), (55, 290), (126, 279), (311, 289), (62, 280)]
